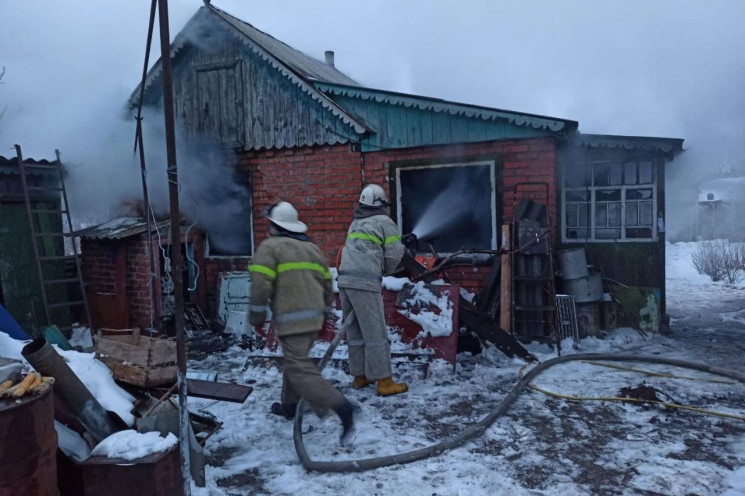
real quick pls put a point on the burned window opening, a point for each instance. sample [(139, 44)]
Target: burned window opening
[(452, 206), (609, 201)]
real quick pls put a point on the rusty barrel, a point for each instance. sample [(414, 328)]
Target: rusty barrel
[(28, 447)]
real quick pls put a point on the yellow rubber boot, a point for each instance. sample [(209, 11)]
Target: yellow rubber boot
[(361, 381), (386, 387)]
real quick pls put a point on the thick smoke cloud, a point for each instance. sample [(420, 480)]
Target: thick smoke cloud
[(640, 68)]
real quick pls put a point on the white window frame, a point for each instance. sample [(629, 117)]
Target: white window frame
[(492, 192), (621, 187)]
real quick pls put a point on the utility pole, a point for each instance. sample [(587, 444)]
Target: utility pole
[(178, 283)]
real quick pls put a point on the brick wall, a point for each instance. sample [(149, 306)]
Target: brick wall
[(98, 262), (323, 182), (117, 277)]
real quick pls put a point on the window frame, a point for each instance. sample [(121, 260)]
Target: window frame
[(493, 190), (592, 203)]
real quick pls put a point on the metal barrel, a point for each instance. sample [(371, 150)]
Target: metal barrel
[(584, 289), (573, 263), (70, 389), (28, 447)]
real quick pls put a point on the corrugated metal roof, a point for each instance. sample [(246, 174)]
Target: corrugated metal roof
[(303, 64), (454, 108), (14, 161), (671, 146), (9, 166), (120, 228)]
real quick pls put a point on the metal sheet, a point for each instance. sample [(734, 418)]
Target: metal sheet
[(234, 290)]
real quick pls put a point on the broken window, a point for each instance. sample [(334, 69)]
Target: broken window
[(451, 206), (609, 201)]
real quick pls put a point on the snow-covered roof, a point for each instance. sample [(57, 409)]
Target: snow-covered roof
[(724, 189)]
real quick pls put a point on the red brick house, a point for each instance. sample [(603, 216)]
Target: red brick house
[(296, 128)]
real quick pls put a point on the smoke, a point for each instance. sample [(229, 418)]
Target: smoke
[(449, 205), (104, 179), (618, 67)]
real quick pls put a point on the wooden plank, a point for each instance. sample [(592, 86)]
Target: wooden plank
[(441, 128), (459, 129), (125, 373), (162, 352), (221, 391), (505, 305), (123, 351), (426, 124), (476, 129), (161, 376)]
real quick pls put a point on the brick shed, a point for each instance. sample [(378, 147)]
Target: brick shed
[(115, 263), (298, 129)]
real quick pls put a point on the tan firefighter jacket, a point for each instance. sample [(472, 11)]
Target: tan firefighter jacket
[(373, 248), (292, 276)]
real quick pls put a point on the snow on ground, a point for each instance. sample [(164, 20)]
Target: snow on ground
[(686, 287), (543, 445)]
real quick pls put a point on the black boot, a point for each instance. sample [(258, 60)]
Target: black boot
[(287, 410), (346, 414)]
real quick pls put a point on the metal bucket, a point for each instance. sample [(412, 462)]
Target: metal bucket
[(573, 263), (588, 319), (584, 289), (28, 447)]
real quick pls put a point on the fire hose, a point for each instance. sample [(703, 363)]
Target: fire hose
[(480, 427)]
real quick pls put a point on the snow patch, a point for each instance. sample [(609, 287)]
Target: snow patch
[(395, 283), (81, 336), (99, 380), (11, 348), (131, 444), (419, 302)]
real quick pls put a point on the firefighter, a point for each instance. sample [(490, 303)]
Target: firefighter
[(373, 248), (290, 273)]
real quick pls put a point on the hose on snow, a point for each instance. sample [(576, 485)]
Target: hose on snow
[(480, 427)]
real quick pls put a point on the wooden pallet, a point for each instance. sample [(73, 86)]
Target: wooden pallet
[(135, 359)]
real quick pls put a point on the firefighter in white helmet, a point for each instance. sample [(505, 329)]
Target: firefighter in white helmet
[(373, 248), (290, 273)]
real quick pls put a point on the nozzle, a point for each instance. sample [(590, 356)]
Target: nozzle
[(409, 240)]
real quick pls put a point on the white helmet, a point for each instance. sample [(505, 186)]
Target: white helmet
[(373, 196), (284, 215)]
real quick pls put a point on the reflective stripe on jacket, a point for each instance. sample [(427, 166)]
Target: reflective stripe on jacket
[(293, 277), (373, 248)]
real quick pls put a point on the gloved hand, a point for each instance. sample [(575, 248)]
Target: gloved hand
[(409, 240)]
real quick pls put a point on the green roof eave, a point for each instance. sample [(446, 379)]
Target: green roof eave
[(556, 126), (668, 146)]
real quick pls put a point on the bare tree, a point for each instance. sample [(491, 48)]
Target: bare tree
[(720, 260)]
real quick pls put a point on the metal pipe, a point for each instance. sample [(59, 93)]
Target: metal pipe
[(178, 283), (70, 389)]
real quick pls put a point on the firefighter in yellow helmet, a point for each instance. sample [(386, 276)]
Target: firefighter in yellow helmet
[(290, 273), (373, 248)]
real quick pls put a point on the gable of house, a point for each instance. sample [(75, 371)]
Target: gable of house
[(231, 88)]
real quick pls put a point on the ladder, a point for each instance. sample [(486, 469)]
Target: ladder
[(55, 288), (534, 312)]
